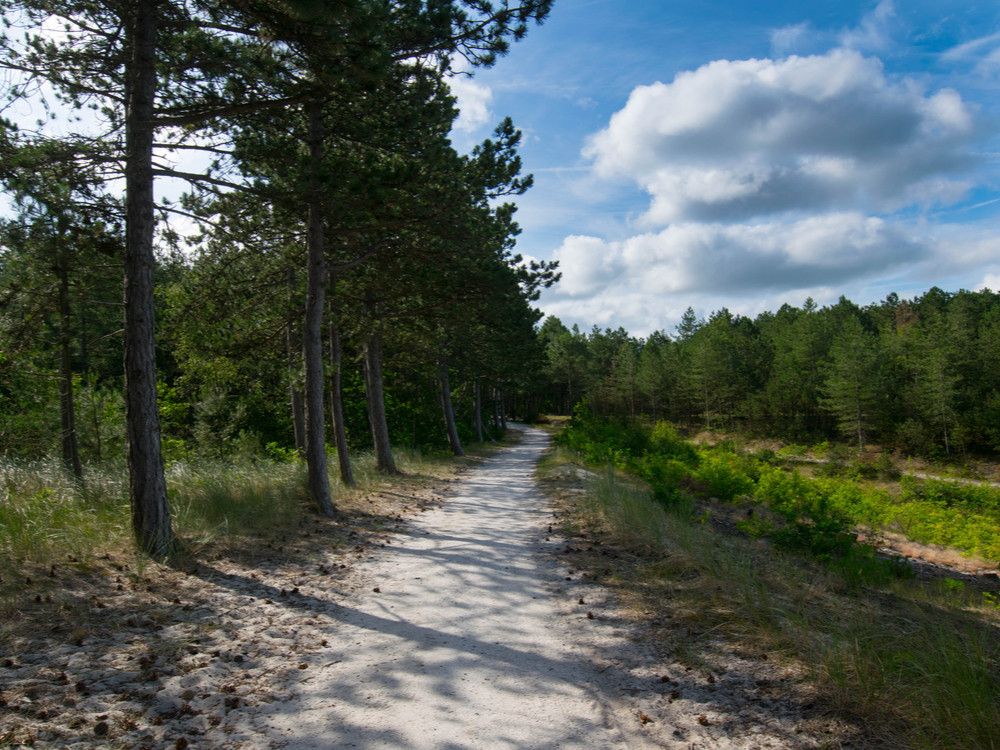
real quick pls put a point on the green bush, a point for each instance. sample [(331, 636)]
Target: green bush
[(813, 520), (665, 440), (950, 494), (727, 476)]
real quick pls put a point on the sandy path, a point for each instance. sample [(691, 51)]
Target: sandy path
[(458, 642), (467, 626)]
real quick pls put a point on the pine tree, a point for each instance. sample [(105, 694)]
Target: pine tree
[(850, 389)]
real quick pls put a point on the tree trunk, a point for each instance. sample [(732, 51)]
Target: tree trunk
[(503, 411), (859, 414), (312, 333), (337, 404), (294, 346), (376, 406), (376, 400), (449, 413), (67, 412), (496, 410), (147, 485), (477, 411)]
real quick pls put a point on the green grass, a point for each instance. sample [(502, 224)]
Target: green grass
[(46, 517), (918, 664), (213, 499), (45, 514)]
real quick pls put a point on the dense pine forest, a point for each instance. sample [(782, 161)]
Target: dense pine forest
[(917, 375)]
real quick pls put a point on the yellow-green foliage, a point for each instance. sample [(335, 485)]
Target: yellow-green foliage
[(44, 512), (920, 665), (819, 512)]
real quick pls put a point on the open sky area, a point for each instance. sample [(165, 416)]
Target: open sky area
[(733, 153)]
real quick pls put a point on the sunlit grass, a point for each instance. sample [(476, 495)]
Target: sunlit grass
[(45, 513), (213, 499), (917, 663)]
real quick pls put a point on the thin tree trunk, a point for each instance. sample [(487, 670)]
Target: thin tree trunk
[(376, 405), (84, 352), (477, 411), (312, 334), (449, 413), (496, 410), (503, 411), (859, 414), (337, 404), (294, 346), (147, 484), (67, 412), (96, 409)]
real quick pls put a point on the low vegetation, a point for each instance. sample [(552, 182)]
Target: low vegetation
[(738, 551), (49, 522), (821, 513)]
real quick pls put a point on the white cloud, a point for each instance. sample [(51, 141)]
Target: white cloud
[(647, 281), (474, 101), (586, 265), (691, 258), (874, 32), (785, 39), (983, 53), (734, 140), (990, 281)]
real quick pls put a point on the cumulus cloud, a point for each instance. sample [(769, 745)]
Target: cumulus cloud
[(991, 281), (644, 283), (734, 140), (737, 259), (473, 100)]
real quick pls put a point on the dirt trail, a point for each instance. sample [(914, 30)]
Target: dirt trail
[(459, 642), (469, 627)]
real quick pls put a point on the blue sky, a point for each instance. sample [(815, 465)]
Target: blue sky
[(747, 154)]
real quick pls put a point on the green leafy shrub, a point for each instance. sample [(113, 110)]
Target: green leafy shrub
[(665, 440), (813, 523), (793, 450), (604, 441), (950, 494), (728, 476)]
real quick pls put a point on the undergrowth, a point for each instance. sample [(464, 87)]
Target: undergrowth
[(917, 664), (819, 514), (47, 518)]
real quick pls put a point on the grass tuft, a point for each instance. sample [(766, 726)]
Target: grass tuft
[(213, 499), (45, 513)]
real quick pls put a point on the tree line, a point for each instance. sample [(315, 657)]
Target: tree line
[(342, 244), (919, 375)]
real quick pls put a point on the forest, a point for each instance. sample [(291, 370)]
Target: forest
[(918, 376), (335, 278), (330, 241), (255, 307)]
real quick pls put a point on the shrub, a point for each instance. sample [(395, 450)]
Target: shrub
[(725, 475), (665, 440)]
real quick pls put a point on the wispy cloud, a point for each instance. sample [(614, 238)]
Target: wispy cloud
[(788, 38), (875, 32), (982, 53)]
